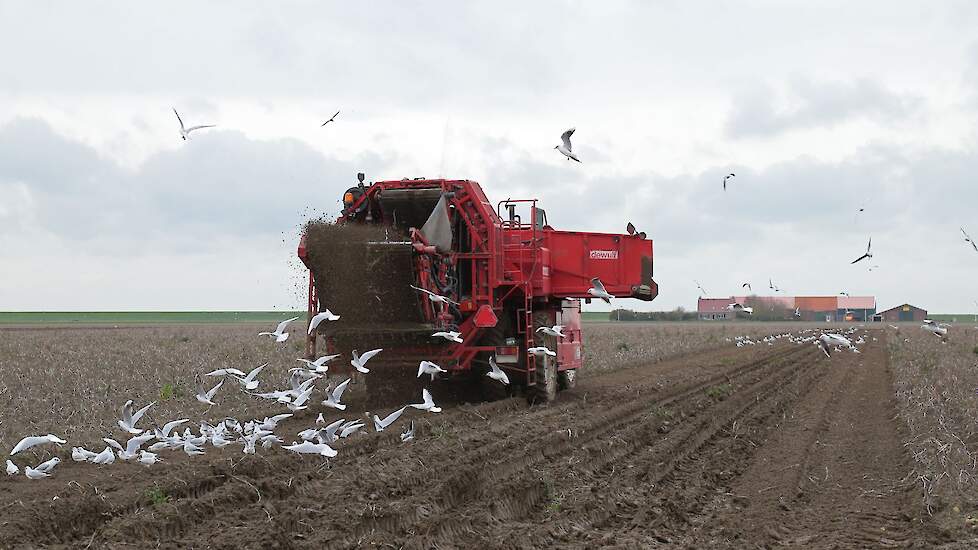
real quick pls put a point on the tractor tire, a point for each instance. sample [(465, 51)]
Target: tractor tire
[(545, 389), (566, 380)]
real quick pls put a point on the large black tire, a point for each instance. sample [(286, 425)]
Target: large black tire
[(545, 389)]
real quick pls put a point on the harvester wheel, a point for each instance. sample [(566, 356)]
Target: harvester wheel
[(545, 389)]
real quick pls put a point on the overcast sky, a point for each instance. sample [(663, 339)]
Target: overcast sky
[(819, 108)]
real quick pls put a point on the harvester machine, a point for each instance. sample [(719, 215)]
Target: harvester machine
[(505, 271)]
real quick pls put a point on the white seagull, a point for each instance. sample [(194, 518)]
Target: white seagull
[(331, 119), (427, 367), (379, 424), (408, 434), (868, 254), (147, 458), (225, 372), (359, 361), (33, 473), (105, 457), (35, 440), (250, 382), (565, 145), (939, 329), (451, 335), (185, 132), (435, 297), (541, 351), (129, 418), (307, 447), (495, 372), (333, 398), (597, 290), (12, 468), (48, 465), (325, 315), (555, 331), (81, 454), (280, 335), (207, 397), (427, 403)]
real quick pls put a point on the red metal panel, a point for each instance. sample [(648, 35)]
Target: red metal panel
[(570, 349), (816, 303), (577, 257)]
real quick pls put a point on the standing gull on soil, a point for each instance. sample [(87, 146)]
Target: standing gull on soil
[(868, 254), (280, 335), (12, 468), (48, 465), (35, 440), (408, 435), (105, 457), (309, 448), (565, 147), (427, 367), (325, 315), (495, 372), (81, 454), (33, 473), (598, 291), (379, 424), (185, 132), (359, 361)]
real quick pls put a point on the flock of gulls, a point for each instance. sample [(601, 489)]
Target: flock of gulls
[(828, 342), (144, 445)]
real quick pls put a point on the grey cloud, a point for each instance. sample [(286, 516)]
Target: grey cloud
[(219, 184), (756, 113)]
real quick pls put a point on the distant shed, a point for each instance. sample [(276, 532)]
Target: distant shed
[(905, 313)]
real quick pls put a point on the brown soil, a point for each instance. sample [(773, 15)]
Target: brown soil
[(731, 448)]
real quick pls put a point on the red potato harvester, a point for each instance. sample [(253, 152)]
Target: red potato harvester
[(506, 268)]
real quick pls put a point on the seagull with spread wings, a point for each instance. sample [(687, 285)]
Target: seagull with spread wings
[(868, 254), (185, 132), (565, 146)]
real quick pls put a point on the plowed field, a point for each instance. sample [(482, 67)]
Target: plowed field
[(763, 446)]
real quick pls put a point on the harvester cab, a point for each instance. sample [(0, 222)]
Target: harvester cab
[(408, 258)]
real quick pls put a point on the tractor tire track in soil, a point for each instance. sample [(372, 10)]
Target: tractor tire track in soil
[(731, 448)]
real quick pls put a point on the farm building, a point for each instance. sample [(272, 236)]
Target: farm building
[(906, 313), (810, 308)]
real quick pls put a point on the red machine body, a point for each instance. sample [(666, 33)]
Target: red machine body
[(507, 269)]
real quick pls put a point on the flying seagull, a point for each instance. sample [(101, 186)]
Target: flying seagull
[(598, 291), (968, 239), (225, 372), (703, 290), (555, 331), (379, 424), (868, 254), (427, 403), (630, 228), (427, 367), (565, 146), (541, 351), (129, 418), (435, 297), (747, 286), (359, 361), (307, 447), (250, 381), (325, 315), (725, 178), (451, 335), (319, 365), (185, 132), (280, 335), (495, 372), (207, 397), (331, 119), (35, 440), (333, 398)]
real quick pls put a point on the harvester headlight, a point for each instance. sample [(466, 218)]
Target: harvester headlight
[(348, 198)]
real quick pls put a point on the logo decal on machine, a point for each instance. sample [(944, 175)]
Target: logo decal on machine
[(604, 254)]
